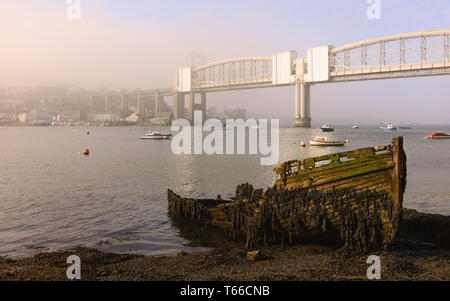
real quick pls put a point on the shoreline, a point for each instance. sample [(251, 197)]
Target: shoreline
[(412, 258), (294, 263)]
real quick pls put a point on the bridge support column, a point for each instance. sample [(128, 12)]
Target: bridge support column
[(140, 106), (193, 106), (158, 102), (107, 103), (203, 105), (91, 103), (178, 105), (302, 105), (123, 103)]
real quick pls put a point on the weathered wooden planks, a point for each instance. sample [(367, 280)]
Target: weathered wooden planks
[(355, 198)]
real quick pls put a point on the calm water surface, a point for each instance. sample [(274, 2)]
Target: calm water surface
[(53, 197)]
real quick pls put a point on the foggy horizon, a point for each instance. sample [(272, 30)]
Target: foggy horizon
[(231, 148), (141, 45)]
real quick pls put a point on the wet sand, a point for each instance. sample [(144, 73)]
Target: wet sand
[(416, 256)]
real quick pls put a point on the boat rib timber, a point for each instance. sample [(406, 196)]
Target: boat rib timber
[(351, 198)]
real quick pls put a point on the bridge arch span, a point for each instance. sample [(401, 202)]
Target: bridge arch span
[(234, 73), (399, 55), (420, 53)]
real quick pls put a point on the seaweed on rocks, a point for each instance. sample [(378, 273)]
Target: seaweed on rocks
[(346, 216)]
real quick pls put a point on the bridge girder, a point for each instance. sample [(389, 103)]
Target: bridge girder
[(393, 56), (233, 73)]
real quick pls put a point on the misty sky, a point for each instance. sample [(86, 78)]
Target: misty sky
[(139, 44)]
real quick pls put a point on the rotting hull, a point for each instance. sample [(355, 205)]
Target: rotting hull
[(355, 200)]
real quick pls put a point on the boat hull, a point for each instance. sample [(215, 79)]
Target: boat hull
[(326, 143), (154, 138), (355, 202), (388, 129), (437, 136)]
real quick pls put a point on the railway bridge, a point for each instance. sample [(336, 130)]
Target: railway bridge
[(420, 53)]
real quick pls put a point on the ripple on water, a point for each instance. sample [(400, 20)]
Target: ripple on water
[(52, 198)]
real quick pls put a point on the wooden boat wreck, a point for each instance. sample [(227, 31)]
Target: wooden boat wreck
[(352, 198)]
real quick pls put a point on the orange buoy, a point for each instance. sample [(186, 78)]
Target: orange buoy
[(165, 137), (302, 144), (86, 152)]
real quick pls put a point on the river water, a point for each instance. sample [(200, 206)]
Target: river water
[(115, 199)]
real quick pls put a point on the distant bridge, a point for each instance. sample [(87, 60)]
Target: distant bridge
[(140, 101), (421, 53)]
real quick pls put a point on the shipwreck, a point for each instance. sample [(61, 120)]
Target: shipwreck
[(353, 199)]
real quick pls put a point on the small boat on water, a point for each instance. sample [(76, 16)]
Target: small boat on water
[(355, 127), (437, 135), (322, 141), (389, 128), (327, 128), (351, 198), (156, 136)]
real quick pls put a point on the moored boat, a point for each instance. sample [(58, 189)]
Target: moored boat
[(327, 128), (322, 141), (437, 135), (156, 135), (389, 128), (351, 198)]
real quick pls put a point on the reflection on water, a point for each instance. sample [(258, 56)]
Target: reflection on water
[(52, 197), (203, 235)]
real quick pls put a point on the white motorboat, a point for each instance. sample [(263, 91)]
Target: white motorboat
[(322, 141), (389, 128), (327, 128), (156, 136)]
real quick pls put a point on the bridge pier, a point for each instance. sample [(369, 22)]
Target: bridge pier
[(91, 103), (158, 102), (123, 103), (203, 105), (107, 103), (178, 105), (302, 105), (197, 106), (191, 106), (76, 100), (140, 106)]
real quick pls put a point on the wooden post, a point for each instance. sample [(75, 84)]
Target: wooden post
[(398, 180)]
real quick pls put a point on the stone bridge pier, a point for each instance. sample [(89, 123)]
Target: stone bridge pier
[(179, 105), (302, 105)]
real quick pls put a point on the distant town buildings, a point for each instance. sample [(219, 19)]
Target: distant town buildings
[(69, 116), (103, 117), (66, 105)]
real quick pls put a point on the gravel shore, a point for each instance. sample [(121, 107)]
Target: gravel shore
[(411, 259)]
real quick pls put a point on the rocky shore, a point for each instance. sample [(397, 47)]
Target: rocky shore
[(421, 252)]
